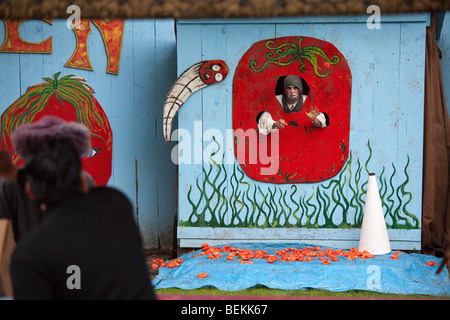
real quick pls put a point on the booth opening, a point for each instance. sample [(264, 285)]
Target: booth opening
[(280, 90)]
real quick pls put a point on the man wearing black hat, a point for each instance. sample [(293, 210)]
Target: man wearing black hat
[(291, 101)]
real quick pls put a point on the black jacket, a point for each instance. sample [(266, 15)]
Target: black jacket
[(19, 208), (88, 247)]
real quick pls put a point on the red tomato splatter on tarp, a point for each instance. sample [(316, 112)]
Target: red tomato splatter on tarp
[(306, 153)]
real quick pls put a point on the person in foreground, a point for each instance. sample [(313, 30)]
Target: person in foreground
[(88, 245), (14, 202)]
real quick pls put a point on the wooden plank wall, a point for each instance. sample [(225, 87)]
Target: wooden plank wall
[(444, 44), (387, 68), (132, 100)]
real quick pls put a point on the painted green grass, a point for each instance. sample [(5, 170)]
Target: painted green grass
[(222, 198)]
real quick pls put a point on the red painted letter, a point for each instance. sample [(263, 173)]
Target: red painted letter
[(13, 42)]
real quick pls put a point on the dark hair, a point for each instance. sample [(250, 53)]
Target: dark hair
[(53, 171)]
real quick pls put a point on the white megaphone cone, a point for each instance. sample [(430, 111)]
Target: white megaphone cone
[(374, 237)]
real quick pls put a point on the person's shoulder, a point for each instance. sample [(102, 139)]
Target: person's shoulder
[(8, 184), (105, 190), (3, 184), (10, 189), (109, 194)]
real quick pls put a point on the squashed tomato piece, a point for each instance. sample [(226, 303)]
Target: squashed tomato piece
[(431, 263), (202, 275), (325, 261)]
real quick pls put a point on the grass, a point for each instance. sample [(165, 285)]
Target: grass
[(311, 293)]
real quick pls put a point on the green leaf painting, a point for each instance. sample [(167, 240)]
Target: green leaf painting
[(294, 52), (227, 199)]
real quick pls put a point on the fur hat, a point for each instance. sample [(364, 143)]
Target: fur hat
[(30, 135)]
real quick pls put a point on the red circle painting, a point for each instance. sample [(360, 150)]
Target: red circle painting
[(300, 152), (71, 99)]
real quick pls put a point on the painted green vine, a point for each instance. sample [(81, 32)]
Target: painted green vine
[(231, 201), (296, 52)]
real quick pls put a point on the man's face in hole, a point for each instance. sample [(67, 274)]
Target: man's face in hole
[(292, 94)]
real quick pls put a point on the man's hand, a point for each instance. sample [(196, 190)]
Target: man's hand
[(313, 113), (280, 124)]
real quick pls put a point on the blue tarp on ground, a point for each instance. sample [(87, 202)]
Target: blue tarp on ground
[(408, 275)]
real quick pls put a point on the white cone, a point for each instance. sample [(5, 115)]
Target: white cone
[(374, 237)]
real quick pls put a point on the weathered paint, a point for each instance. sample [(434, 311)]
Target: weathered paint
[(111, 31), (338, 238), (132, 100), (386, 133), (13, 42)]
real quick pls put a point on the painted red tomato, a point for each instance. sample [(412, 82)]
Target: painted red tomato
[(71, 99), (303, 152)]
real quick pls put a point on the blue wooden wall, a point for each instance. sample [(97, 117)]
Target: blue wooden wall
[(444, 44), (132, 100), (386, 133)]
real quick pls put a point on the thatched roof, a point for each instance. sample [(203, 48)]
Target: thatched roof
[(209, 8)]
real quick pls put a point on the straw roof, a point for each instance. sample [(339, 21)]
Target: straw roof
[(209, 8)]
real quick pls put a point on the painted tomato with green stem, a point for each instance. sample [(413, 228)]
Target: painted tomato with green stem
[(302, 152), (70, 98)]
